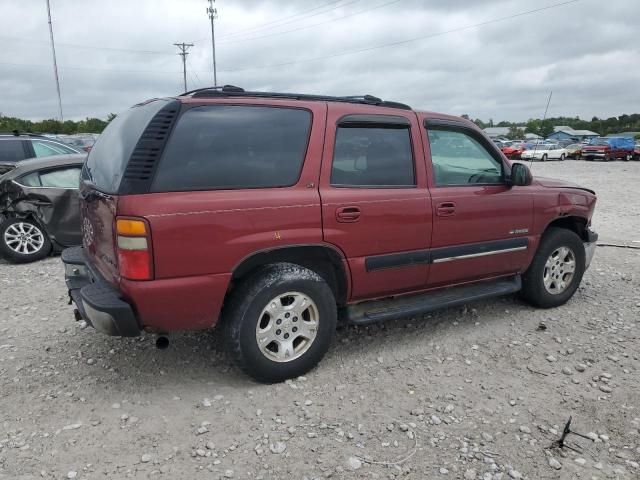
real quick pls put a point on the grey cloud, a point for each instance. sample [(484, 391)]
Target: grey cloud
[(585, 53)]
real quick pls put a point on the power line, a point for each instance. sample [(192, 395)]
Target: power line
[(310, 26), (324, 57), (55, 63), (184, 51), (402, 42), (265, 26), (87, 47)]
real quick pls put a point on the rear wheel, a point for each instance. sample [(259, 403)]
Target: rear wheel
[(628, 158), (556, 270), (22, 240), (544, 157), (562, 157), (279, 322)]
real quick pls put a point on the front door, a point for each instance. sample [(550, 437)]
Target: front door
[(481, 226), (376, 206)]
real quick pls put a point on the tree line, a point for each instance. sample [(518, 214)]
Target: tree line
[(68, 127), (544, 128)]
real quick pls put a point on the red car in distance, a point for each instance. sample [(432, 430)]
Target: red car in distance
[(514, 151)]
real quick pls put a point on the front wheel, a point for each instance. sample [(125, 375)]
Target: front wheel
[(22, 241), (544, 157), (556, 270), (279, 322), (562, 157)]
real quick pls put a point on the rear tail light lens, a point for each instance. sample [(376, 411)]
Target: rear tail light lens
[(134, 249)]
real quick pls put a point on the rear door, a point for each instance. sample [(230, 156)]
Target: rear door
[(54, 191), (481, 225), (375, 202)]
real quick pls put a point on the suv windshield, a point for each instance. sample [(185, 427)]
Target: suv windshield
[(108, 158)]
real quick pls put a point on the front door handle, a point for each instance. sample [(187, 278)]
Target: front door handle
[(348, 214), (446, 209)]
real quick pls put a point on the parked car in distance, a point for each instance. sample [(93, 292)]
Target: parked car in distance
[(16, 146), (544, 153), (274, 215), (609, 148), (79, 142), (514, 151), (574, 150), (39, 209), (636, 151)]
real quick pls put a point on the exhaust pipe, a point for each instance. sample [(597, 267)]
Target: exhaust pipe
[(162, 342)]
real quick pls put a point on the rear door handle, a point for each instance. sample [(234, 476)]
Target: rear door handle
[(348, 214), (446, 209)]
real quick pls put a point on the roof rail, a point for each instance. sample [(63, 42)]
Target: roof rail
[(233, 91), (17, 133)]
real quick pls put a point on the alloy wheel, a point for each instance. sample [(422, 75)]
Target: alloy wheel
[(559, 270), (287, 326), (24, 238)]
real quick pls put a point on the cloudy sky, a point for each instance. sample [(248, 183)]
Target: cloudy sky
[(494, 59)]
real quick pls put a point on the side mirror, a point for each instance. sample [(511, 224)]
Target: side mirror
[(520, 175)]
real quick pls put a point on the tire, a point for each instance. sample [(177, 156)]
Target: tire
[(544, 158), (247, 316), (628, 158), (22, 240), (562, 157), (534, 289)]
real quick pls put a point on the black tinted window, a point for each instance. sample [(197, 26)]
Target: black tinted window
[(372, 157), (231, 146), (11, 150), (107, 160)]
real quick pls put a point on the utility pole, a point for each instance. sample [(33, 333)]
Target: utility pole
[(213, 14), (55, 63), (184, 51)]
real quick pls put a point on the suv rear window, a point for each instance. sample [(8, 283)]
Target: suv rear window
[(107, 160), (233, 146)]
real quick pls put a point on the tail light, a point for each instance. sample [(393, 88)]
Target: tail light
[(134, 249)]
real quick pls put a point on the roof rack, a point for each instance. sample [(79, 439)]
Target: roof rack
[(233, 91), (17, 133)]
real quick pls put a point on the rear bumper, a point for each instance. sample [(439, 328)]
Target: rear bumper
[(99, 304), (590, 247)]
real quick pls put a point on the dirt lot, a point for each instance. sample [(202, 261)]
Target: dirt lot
[(473, 393)]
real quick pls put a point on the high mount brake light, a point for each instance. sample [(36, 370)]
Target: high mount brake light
[(134, 255)]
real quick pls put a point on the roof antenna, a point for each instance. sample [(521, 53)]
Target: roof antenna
[(544, 117)]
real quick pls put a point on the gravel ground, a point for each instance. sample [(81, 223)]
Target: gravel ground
[(474, 393)]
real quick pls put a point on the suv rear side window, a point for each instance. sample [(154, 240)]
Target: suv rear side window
[(232, 146), (372, 157)]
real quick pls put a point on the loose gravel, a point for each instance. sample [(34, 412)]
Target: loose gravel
[(480, 392)]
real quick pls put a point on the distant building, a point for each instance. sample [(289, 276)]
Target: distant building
[(567, 133), (532, 136), (496, 132)]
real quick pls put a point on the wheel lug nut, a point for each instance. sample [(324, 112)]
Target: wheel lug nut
[(286, 335), (278, 321), (295, 319), (287, 315), (278, 332), (295, 329)]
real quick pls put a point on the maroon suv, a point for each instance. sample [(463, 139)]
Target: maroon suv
[(276, 215)]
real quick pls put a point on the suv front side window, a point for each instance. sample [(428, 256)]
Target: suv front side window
[(459, 159), (42, 148), (372, 156)]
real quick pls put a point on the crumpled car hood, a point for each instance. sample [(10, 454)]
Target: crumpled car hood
[(554, 183)]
